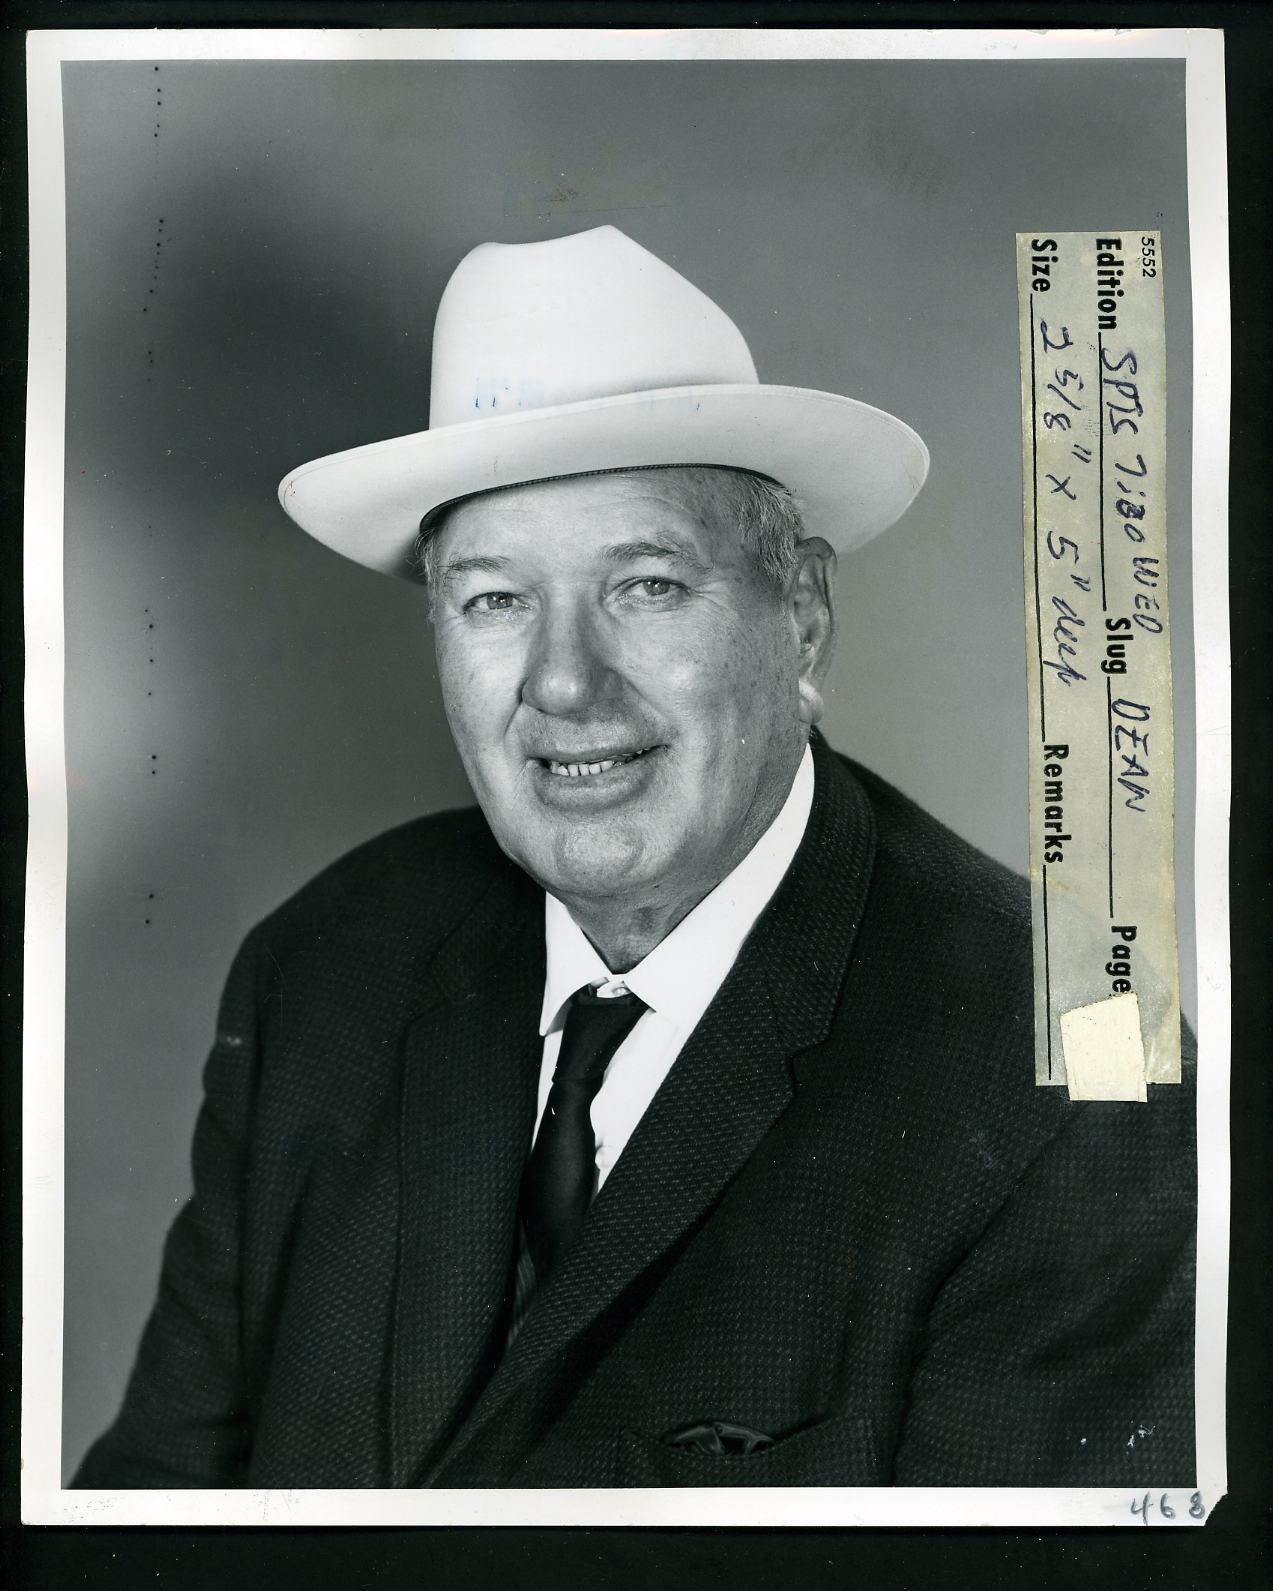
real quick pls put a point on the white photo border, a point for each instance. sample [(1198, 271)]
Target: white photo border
[(44, 1501)]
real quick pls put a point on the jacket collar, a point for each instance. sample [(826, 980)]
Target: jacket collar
[(468, 1106)]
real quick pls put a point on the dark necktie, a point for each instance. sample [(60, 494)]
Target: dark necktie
[(561, 1172)]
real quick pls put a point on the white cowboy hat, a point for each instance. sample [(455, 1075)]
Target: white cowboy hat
[(584, 354)]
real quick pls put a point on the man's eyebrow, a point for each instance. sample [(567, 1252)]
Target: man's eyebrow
[(631, 551), (474, 565)]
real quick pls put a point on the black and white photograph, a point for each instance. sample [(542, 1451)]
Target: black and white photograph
[(533, 987)]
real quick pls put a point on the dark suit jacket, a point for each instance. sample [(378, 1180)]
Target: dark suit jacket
[(849, 1219)]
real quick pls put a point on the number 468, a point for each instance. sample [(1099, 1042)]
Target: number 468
[(1144, 1506)]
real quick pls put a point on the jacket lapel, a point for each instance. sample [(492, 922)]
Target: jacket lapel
[(730, 1084), (469, 1085)]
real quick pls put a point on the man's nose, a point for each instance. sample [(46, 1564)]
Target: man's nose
[(569, 669)]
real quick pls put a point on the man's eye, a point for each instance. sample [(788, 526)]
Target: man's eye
[(491, 602), (654, 588)]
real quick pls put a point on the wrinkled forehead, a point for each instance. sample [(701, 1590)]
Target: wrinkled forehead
[(694, 488), (570, 513)]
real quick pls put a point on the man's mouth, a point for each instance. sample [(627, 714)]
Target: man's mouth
[(587, 770)]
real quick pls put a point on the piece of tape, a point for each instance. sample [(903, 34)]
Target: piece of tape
[(1102, 820), (1104, 1051)]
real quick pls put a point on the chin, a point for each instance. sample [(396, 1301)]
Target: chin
[(593, 860)]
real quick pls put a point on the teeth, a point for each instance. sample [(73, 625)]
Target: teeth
[(577, 770)]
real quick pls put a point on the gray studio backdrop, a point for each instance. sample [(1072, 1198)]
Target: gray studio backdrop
[(255, 256)]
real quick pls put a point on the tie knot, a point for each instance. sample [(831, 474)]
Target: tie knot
[(595, 1027)]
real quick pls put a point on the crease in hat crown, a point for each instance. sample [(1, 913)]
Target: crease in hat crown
[(588, 353), (541, 325)]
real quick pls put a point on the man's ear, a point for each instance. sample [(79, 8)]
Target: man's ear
[(813, 619)]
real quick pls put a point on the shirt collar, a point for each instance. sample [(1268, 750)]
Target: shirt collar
[(680, 975)]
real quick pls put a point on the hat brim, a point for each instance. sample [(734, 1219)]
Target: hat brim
[(854, 469)]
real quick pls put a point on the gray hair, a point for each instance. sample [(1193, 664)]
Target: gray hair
[(764, 514)]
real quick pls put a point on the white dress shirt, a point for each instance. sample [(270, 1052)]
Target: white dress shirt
[(677, 980)]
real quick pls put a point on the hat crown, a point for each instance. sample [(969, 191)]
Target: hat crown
[(527, 326)]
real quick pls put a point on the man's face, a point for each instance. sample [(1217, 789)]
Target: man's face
[(622, 682)]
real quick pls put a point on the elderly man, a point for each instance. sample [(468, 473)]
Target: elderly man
[(671, 1119)]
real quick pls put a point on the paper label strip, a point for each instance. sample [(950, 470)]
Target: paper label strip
[(1102, 872)]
